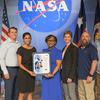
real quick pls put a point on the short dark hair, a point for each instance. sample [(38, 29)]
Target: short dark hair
[(26, 33), (49, 36), (12, 28), (68, 32)]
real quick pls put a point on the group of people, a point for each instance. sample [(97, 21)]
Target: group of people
[(76, 63), (79, 63)]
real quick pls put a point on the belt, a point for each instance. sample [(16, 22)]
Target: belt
[(12, 66)]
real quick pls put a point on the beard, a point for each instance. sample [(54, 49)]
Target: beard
[(84, 44)]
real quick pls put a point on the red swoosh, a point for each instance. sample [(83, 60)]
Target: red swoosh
[(42, 13)]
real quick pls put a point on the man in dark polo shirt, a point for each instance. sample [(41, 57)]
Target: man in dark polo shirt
[(87, 61)]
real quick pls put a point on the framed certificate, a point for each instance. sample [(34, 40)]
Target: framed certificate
[(41, 63)]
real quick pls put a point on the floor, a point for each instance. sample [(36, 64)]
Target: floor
[(36, 94)]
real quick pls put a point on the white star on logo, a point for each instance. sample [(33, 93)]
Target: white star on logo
[(80, 22)]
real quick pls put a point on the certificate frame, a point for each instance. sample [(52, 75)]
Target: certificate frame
[(41, 63)]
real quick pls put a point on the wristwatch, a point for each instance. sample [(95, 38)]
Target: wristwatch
[(90, 75)]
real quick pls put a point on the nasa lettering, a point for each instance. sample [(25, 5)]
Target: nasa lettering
[(44, 15)]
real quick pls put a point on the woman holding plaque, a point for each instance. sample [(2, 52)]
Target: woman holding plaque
[(51, 83), (26, 79), (69, 64)]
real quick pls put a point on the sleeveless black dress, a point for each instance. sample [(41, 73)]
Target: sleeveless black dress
[(26, 82)]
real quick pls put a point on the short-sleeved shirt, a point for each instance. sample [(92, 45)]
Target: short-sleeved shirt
[(85, 57), (55, 54)]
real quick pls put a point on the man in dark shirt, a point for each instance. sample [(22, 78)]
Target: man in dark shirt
[(87, 61), (0, 78)]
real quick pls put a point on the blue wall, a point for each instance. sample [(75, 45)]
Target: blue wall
[(38, 38)]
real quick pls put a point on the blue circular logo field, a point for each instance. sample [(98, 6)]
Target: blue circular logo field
[(44, 15)]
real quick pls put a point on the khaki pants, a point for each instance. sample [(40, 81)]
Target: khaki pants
[(86, 90), (98, 85)]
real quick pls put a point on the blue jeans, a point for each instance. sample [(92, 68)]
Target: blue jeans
[(11, 85)]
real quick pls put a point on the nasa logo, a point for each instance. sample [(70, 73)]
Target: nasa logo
[(44, 15)]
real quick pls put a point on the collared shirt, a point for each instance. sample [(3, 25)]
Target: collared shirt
[(97, 45), (8, 54), (85, 57)]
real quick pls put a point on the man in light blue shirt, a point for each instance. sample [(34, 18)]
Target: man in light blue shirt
[(9, 64)]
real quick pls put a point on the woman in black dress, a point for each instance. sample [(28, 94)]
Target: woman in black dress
[(26, 78)]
